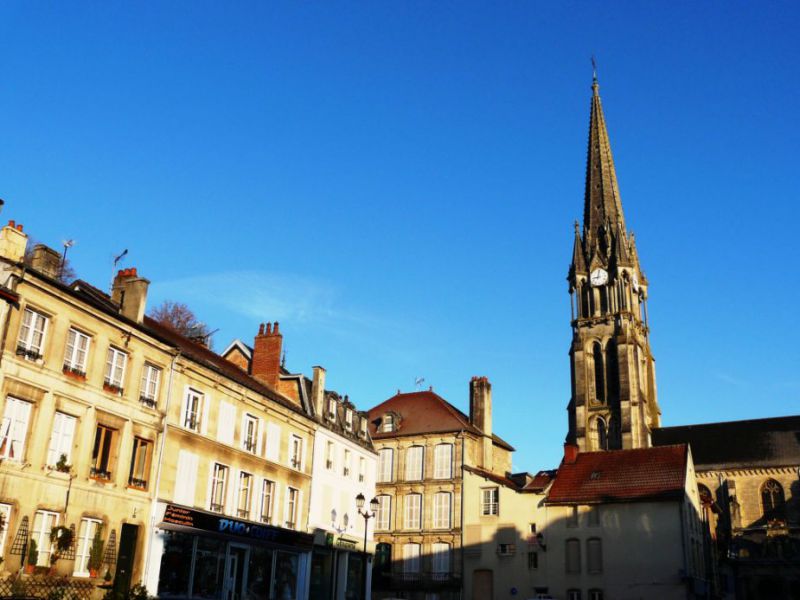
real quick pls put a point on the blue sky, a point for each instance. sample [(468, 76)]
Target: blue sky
[(396, 183)]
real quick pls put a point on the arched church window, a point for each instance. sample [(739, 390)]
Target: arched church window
[(772, 499), (612, 372), (599, 378), (601, 433)]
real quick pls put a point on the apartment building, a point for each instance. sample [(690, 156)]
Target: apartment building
[(424, 444)]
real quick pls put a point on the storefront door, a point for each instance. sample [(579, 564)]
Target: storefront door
[(236, 571)]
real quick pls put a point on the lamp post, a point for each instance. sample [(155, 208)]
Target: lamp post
[(367, 514)]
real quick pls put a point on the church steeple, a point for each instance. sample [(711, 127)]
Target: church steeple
[(613, 402)]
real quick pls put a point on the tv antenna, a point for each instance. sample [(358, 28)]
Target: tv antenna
[(418, 381)]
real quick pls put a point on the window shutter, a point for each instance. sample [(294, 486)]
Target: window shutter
[(226, 423), (205, 405), (184, 402), (273, 441), (186, 478), (260, 439)]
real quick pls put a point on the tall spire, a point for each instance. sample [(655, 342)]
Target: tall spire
[(602, 203)]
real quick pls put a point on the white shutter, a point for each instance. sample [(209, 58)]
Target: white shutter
[(186, 478), (273, 441), (205, 405), (260, 439), (184, 402), (232, 492), (226, 423)]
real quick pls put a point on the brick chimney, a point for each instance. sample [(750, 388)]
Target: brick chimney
[(318, 392), (130, 292), (570, 453), (480, 414), (13, 242), (46, 260), (266, 361)]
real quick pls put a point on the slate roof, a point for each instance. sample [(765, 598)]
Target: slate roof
[(421, 413), (773, 442), (639, 475)]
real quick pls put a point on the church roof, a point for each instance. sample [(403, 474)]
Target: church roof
[(423, 412), (639, 475), (769, 442)]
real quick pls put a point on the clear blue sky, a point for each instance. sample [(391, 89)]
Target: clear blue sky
[(396, 182)]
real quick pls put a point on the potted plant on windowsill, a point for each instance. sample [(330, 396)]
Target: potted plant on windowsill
[(33, 556), (95, 554)]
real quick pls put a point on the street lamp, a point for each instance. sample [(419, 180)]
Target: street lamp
[(374, 504)]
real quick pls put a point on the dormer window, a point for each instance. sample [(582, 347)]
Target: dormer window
[(331, 409), (363, 428), (348, 419), (388, 423)]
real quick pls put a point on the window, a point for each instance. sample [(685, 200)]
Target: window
[(346, 469), (191, 410), (332, 408), (219, 487), (102, 453), (594, 555), (292, 500), (31, 335), (86, 534), (250, 434), (411, 554), (441, 561), (348, 419), (599, 434), (383, 516), (443, 461), (594, 516), (362, 469), (572, 519), (243, 495), (414, 463), (296, 452), (140, 463), (5, 519), (595, 594), (490, 501), (413, 511), (75, 355), (533, 560), (573, 595), (329, 450), (573, 556), (385, 463), (267, 494), (14, 429), (363, 428), (43, 524), (772, 500), (599, 378), (151, 376), (61, 439), (115, 370), (388, 423), (441, 510)]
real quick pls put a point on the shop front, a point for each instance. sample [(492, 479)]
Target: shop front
[(209, 556), (338, 570)]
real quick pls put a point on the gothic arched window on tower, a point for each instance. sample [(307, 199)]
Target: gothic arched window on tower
[(600, 434), (612, 373), (772, 500), (599, 377)]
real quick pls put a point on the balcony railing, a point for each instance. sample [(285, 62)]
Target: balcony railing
[(28, 353), (250, 446)]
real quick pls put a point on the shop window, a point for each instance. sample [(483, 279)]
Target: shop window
[(594, 555), (219, 487), (30, 343), (5, 526), (192, 407), (14, 429), (292, 501), (243, 495), (250, 434), (443, 461), (115, 370), (140, 463), (76, 352), (385, 464), (573, 555), (86, 534), (490, 501), (414, 463), (209, 568), (442, 508), (102, 453), (176, 560), (60, 450), (151, 377), (286, 569), (43, 524), (441, 561), (413, 511), (267, 497), (384, 514)]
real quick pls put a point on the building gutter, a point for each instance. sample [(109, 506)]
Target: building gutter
[(159, 466)]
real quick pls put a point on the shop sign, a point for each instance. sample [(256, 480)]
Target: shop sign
[(343, 542), (178, 515)]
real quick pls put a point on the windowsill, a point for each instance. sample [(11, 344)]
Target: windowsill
[(136, 488), (55, 474), (102, 481)]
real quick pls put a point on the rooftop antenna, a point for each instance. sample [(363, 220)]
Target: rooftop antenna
[(117, 258), (67, 245), (418, 382), (594, 69)]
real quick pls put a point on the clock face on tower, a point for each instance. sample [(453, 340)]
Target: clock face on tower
[(598, 277)]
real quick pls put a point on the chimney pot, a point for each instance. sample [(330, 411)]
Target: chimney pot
[(268, 330), (261, 329), (11, 223), (275, 329), (19, 227)]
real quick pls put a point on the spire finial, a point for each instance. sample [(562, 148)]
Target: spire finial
[(595, 85), (577, 227)]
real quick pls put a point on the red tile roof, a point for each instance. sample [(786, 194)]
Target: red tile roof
[(423, 412), (622, 476)]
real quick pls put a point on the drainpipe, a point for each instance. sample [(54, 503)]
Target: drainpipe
[(461, 549), (159, 465)]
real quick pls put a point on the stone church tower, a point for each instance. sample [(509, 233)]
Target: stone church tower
[(613, 402)]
